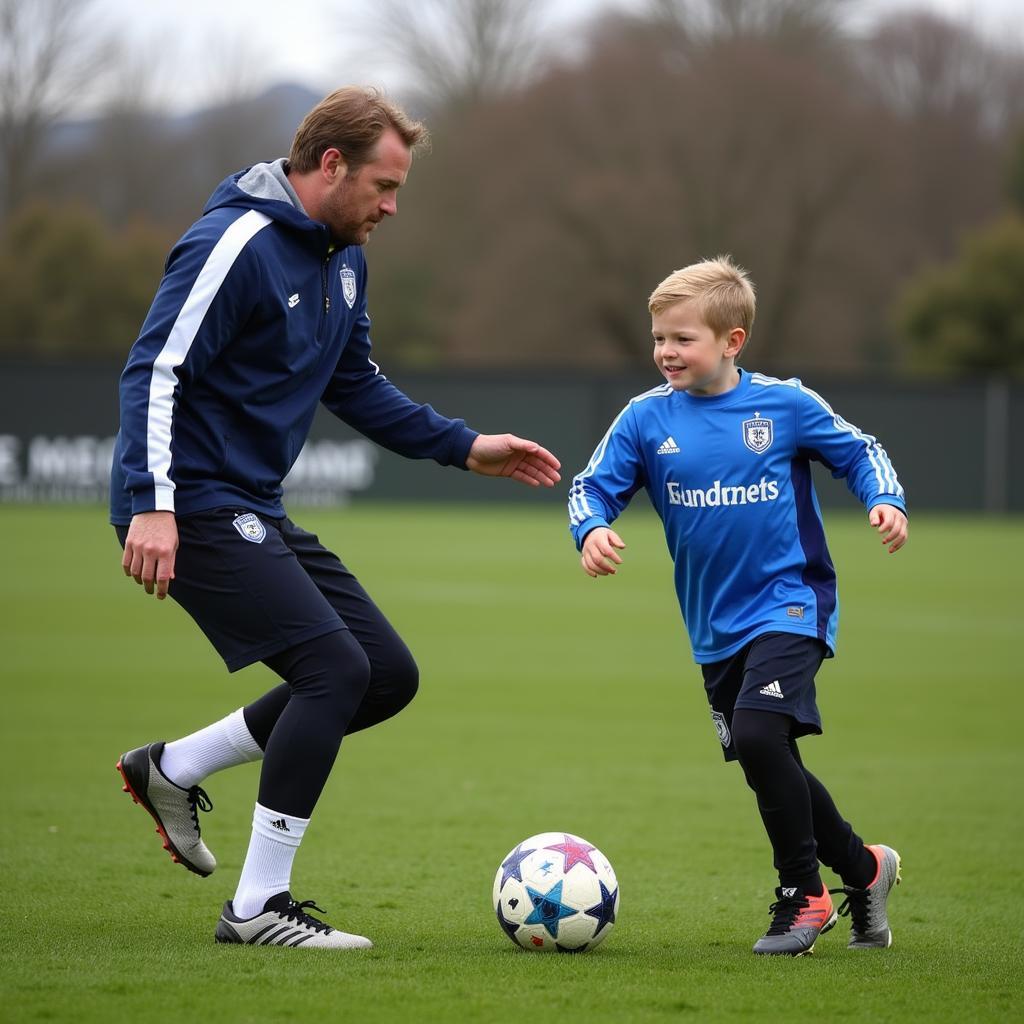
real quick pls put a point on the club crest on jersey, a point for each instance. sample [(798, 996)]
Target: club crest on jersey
[(721, 728), (250, 527), (348, 286), (757, 434)]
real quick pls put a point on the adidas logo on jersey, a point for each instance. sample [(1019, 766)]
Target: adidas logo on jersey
[(772, 690), (669, 446)]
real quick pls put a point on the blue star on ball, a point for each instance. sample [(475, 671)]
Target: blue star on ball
[(548, 908), (605, 910), (511, 866)]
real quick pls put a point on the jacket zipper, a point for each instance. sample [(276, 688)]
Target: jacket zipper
[(326, 289)]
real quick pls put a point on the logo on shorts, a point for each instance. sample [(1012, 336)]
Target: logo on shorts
[(348, 286), (250, 527), (757, 434), (721, 728), (772, 690)]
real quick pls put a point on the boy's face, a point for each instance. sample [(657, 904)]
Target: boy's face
[(689, 355)]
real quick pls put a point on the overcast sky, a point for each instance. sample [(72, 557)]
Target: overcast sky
[(189, 50)]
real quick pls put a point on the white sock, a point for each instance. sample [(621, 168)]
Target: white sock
[(186, 762), (268, 864)]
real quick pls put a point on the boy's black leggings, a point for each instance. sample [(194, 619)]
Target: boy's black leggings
[(799, 815)]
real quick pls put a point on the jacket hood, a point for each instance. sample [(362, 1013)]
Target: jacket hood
[(264, 187)]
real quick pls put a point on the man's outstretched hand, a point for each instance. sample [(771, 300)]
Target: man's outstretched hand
[(515, 457)]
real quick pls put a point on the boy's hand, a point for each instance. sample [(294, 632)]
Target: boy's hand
[(891, 523), (599, 552)]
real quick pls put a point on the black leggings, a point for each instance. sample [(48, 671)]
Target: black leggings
[(334, 685), (799, 815)]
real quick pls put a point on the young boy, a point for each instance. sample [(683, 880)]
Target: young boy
[(724, 455)]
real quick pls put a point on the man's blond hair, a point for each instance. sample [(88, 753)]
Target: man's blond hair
[(352, 119), (721, 288)]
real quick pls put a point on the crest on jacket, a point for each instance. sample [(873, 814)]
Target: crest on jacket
[(348, 286), (757, 434), (250, 527)]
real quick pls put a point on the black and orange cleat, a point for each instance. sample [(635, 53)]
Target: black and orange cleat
[(173, 808), (797, 921)]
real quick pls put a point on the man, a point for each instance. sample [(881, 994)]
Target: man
[(261, 314)]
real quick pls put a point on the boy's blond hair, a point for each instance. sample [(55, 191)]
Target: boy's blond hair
[(721, 288)]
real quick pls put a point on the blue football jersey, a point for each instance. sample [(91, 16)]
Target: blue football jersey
[(730, 477)]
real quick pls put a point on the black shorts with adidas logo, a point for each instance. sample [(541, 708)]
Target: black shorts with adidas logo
[(774, 672)]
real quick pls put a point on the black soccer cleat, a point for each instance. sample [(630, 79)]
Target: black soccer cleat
[(172, 807)]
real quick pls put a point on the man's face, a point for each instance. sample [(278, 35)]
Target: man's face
[(688, 353), (359, 200)]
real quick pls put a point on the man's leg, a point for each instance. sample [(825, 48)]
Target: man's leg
[(253, 600), (165, 777), (327, 679)]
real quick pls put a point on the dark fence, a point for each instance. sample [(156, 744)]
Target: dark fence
[(956, 446)]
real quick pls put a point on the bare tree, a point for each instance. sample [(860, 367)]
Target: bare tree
[(798, 21), (49, 54), (459, 52)]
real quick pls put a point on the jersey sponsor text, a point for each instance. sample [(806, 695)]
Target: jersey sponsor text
[(719, 494)]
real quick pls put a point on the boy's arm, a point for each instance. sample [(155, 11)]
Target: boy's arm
[(858, 458), (601, 491)]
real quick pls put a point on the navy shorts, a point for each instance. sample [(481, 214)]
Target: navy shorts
[(257, 586), (774, 672)]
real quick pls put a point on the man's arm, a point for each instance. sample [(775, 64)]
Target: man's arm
[(363, 397), (207, 291)]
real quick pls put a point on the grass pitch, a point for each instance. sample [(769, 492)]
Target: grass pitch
[(548, 701)]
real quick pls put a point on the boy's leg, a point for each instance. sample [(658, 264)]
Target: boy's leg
[(760, 698), (839, 847), (762, 741), (869, 873)]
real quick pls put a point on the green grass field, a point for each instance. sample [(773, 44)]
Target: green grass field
[(548, 701)]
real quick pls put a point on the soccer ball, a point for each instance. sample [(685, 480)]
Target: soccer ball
[(556, 892)]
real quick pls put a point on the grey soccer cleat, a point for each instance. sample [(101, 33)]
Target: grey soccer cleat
[(798, 920), (284, 922), (172, 807), (866, 907)]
